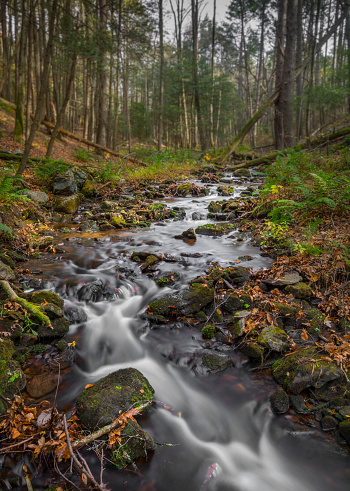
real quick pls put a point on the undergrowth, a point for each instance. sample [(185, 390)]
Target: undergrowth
[(305, 185)]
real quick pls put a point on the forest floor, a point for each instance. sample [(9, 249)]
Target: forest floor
[(297, 320)]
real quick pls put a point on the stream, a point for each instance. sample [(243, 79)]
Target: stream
[(215, 431)]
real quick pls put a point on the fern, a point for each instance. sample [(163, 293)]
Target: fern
[(10, 192), (6, 230)]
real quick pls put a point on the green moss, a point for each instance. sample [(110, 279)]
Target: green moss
[(273, 338), (12, 379), (253, 350), (208, 331), (47, 297), (7, 348), (135, 443), (215, 362), (300, 290), (286, 310)]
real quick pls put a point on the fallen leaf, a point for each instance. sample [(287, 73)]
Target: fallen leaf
[(304, 336), (88, 386)]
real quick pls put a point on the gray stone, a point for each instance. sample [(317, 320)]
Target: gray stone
[(37, 196), (64, 184), (298, 404), (6, 272), (273, 338), (329, 423), (287, 279)]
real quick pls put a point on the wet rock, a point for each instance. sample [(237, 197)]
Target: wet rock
[(75, 315), (241, 173), (285, 310), (215, 362), (196, 215), (253, 351), (344, 411), (64, 184), (234, 302), (300, 290), (109, 205), (52, 311), (104, 226), (151, 260), (185, 189), (102, 403), (42, 384), (135, 443), (273, 338), (12, 378), (279, 401), (60, 327), (288, 279), (37, 196), (208, 331), (7, 348), (6, 272), (168, 279), (225, 190), (69, 204), (316, 320), (215, 229), (237, 324), (344, 430), (238, 275), (214, 207), (304, 369), (189, 234), (298, 404), (94, 291), (44, 297), (186, 302), (329, 423), (245, 258)]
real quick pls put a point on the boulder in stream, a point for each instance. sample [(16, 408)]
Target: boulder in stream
[(69, 204), (114, 394), (273, 338), (65, 184), (279, 401), (135, 444)]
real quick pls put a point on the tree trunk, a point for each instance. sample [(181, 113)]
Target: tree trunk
[(161, 75), (280, 43)]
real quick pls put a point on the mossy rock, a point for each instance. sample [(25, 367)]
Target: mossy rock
[(168, 279), (7, 260), (214, 207), (316, 320), (234, 302), (237, 275), (185, 189), (273, 338), (215, 229), (151, 261), (7, 348), (114, 394), (44, 297), (253, 350), (241, 173), (109, 205), (6, 272), (216, 362), (60, 327), (304, 369), (135, 443), (89, 190), (208, 331), (12, 379), (187, 302), (52, 311), (237, 324), (279, 401), (118, 221), (344, 430), (300, 290), (68, 204), (286, 310)]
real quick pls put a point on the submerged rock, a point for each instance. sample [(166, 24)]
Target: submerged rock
[(187, 302), (279, 401), (304, 369), (135, 443), (75, 314), (102, 403), (216, 362)]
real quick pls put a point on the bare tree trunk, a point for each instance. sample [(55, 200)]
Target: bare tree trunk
[(101, 77), (280, 35), (43, 88), (161, 75)]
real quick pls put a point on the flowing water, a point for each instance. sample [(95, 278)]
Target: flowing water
[(215, 432)]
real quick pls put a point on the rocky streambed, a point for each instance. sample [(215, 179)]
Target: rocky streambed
[(159, 295)]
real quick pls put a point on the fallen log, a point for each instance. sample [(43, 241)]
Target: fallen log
[(80, 139), (269, 159)]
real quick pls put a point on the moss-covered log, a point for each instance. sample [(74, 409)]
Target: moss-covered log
[(30, 307)]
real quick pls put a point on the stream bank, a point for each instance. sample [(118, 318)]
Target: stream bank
[(184, 300)]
